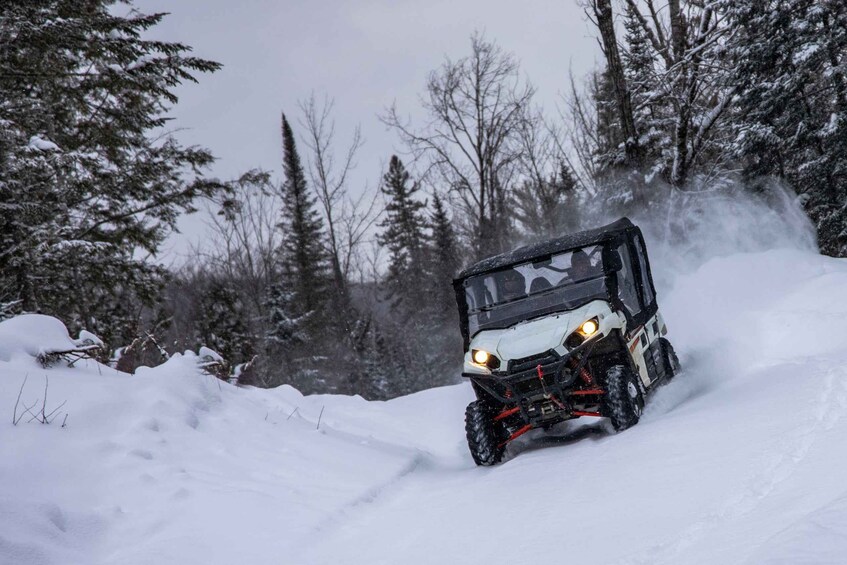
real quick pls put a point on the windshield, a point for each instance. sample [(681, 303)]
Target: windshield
[(564, 281)]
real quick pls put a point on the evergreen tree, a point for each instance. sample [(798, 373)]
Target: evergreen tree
[(87, 183), (8, 310), (381, 367), (403, 234), (639, 59), (791, 120), (546, 208), (284, 328), (614, 187), (444, 261), (303, 257), (398, 364), (609, 135), (222, 325), (438, 345)]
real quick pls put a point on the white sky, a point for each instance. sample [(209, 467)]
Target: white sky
[(364, 54)]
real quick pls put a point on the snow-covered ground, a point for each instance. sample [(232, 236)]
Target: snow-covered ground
[(739, 460)]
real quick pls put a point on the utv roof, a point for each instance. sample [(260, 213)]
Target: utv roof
[(549, 247)]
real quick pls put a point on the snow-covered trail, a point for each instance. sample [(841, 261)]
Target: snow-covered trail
[(703, 483), (739, 460)]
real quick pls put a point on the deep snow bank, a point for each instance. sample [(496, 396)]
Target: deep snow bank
[(736, 461), (32, 335), (173, 466)]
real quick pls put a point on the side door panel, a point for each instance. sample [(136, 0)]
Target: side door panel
[(646, 351), (638, 347), (637, 296), (646, 290)]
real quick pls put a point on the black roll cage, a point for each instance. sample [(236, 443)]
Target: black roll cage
[(611, 237)]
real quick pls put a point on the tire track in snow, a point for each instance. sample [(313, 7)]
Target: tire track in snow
[(357, 512), (831, 405), (351, 511)]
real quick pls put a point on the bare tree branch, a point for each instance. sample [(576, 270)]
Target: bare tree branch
[(17, 401), (471, 141), (330, 182)]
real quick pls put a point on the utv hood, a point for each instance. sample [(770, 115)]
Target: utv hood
[(541, 334)]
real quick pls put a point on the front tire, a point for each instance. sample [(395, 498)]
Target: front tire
[(482, 432), (623, 402)]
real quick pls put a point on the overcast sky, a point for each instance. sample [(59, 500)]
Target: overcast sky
[(365, 54)]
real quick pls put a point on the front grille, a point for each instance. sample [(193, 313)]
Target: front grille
[(523, 372), (533, 361)]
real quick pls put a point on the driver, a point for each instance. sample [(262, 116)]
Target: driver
[(581, 268), (512, 284)]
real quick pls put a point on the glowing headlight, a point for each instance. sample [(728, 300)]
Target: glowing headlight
[(588, 328), (481, 357), (484, 358), (582, 333)]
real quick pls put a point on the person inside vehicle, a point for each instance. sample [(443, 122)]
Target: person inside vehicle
[(512, 285), (581, 268)]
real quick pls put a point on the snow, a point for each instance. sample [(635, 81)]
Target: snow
[(806, 52), (738, 460), (831, 127), (32, 335), (40, 144), (86, 338), (209, 355)]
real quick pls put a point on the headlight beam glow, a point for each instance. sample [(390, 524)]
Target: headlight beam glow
[(588, 328), (481, 357)]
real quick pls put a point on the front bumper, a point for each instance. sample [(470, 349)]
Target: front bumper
[(537, 377)]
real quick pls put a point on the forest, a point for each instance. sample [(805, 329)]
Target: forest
[(311, 282)]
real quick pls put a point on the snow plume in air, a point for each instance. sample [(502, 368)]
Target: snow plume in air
[(719, 257), (691, 227)]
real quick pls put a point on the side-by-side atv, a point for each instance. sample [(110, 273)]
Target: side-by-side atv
[(557, 330)]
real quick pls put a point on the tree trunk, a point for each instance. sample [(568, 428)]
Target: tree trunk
[(677, 30), (623, 99), (679, 172), (25, 290)]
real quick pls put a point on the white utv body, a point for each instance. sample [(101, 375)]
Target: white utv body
[(565, 328)]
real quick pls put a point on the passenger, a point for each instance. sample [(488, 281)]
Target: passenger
[(581, 267), (512, 284)]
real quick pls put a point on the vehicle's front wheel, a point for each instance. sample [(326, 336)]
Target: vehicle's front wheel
[(483, 437), (670, 359), (623, 402)]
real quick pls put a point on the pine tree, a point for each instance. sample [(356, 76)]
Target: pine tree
[(87, 183), (380, 367), (222, 325), (403, 234), (438, 344), (284, 328), (444, 261), (392, 365), (303, 257), (383, 363), (546, 208), (616, 184), (639, 59), (610, 140), (791, 119), (687, 41)]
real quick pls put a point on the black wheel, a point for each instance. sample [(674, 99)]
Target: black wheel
[(670, 359), (484, 434), (623, 402)]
